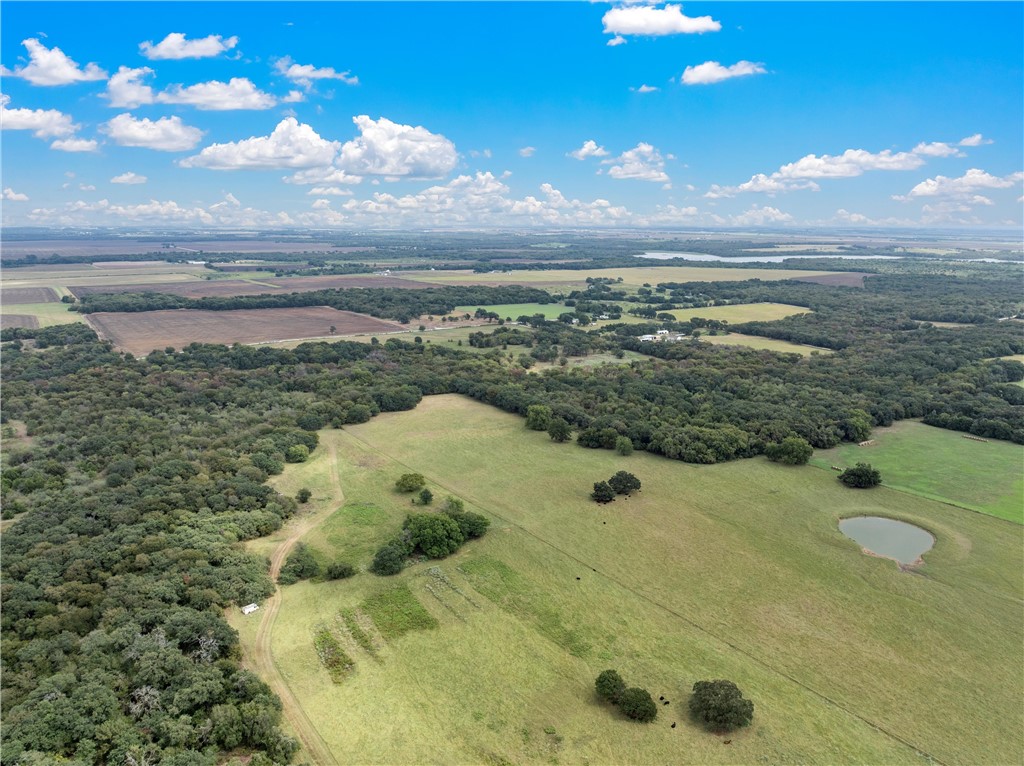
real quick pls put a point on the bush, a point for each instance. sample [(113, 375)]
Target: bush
[(303, 495), (434, 534), (339, 570), (603, 493), (300, 565), (792, 451), (473, 525), (426, 496), (410, 482), (610, 686), (559, 430), (861, 476), (297, 453), (638, 704), (623, 482), (720, 706), (624, 446), (389, 560), (538, 417)]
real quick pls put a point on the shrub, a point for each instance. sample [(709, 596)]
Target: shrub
[(720, 706), (559, 430), (623, 482), (389, 560), (300, 565), (861, 476), (538, 417), (303, 495), (426, 496), (473, 525), (624, 446), (638, 704), (434, 534), (603, 493), (339, 570), (297, 453), (792, 451), (610, 686), (410, 482)]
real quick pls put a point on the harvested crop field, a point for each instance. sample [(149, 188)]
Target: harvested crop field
[(844, 279), (232, 287), (141, 332), (19, 295), (18, 320)]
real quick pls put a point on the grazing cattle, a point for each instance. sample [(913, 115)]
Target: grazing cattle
[(673, 726)]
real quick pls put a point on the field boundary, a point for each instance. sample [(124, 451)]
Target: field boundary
[(668, 610)]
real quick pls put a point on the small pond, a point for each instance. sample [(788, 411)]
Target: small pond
[(888, 538)]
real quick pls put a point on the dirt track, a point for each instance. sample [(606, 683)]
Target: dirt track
[(263, 655)]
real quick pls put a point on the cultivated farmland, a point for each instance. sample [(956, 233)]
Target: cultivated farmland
[(18, 320), (728, 571), (746, 312), (140, 333), (17, 295)]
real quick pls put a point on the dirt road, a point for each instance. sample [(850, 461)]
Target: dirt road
[(315, 748)]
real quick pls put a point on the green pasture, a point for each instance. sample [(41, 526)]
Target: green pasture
[(515, 310), (756, 341), (47, 314), (943, 465), (729, 571), (743, 312)]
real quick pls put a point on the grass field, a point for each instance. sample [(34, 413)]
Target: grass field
[(46, 314), (771, 344), (744, 312), (732, 571), (631, 277), (942, 465), (515, 310)]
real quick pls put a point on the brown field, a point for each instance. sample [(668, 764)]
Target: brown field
[(844, 279), (18, 295), (18, 320), (232, 287), (140, 333)]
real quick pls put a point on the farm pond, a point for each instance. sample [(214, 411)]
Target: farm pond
[(888, 538)]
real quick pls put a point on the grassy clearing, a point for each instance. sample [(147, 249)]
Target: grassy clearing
[(48, 314), (396, 611), (334, 659), (515, 310), (1014, 358), (745, 312), (734, 571), (942, 465), (771, 344)]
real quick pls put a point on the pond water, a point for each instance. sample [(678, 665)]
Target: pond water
[(758, 258), (888, 538)]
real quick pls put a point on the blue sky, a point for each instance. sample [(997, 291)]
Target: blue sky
[(376, 115)]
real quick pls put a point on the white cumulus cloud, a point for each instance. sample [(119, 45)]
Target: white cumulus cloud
[(963, 188), (177, 46), (655, 22), (306, 74), (761, 216), (237, 93), (126, 90), (645, 89), (393, 150), (291, 145), (168, 134), (589, 149), (641, 163), (527, 151), (976, 140), (711, 72), (129, 178), (329, 191), (12, 196), (51, 66), (617, 40), (44, 123), (74, 145)]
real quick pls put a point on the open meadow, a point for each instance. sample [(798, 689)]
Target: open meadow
[(771, 344), (743, 312), (141, 332), (731, 571), (983, 476)]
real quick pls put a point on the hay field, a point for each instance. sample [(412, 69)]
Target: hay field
[(771, 344), (742, 312), (732, 571)]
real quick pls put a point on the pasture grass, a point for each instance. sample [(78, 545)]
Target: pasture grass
[(730, 571), (396, 611), (756, 341), (515, 310), (942, 465), (48, 314), (742, 312)]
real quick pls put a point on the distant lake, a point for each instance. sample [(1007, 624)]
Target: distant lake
[(758, 258), (888, 538)]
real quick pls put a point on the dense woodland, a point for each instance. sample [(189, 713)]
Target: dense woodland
[(141, 475)]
